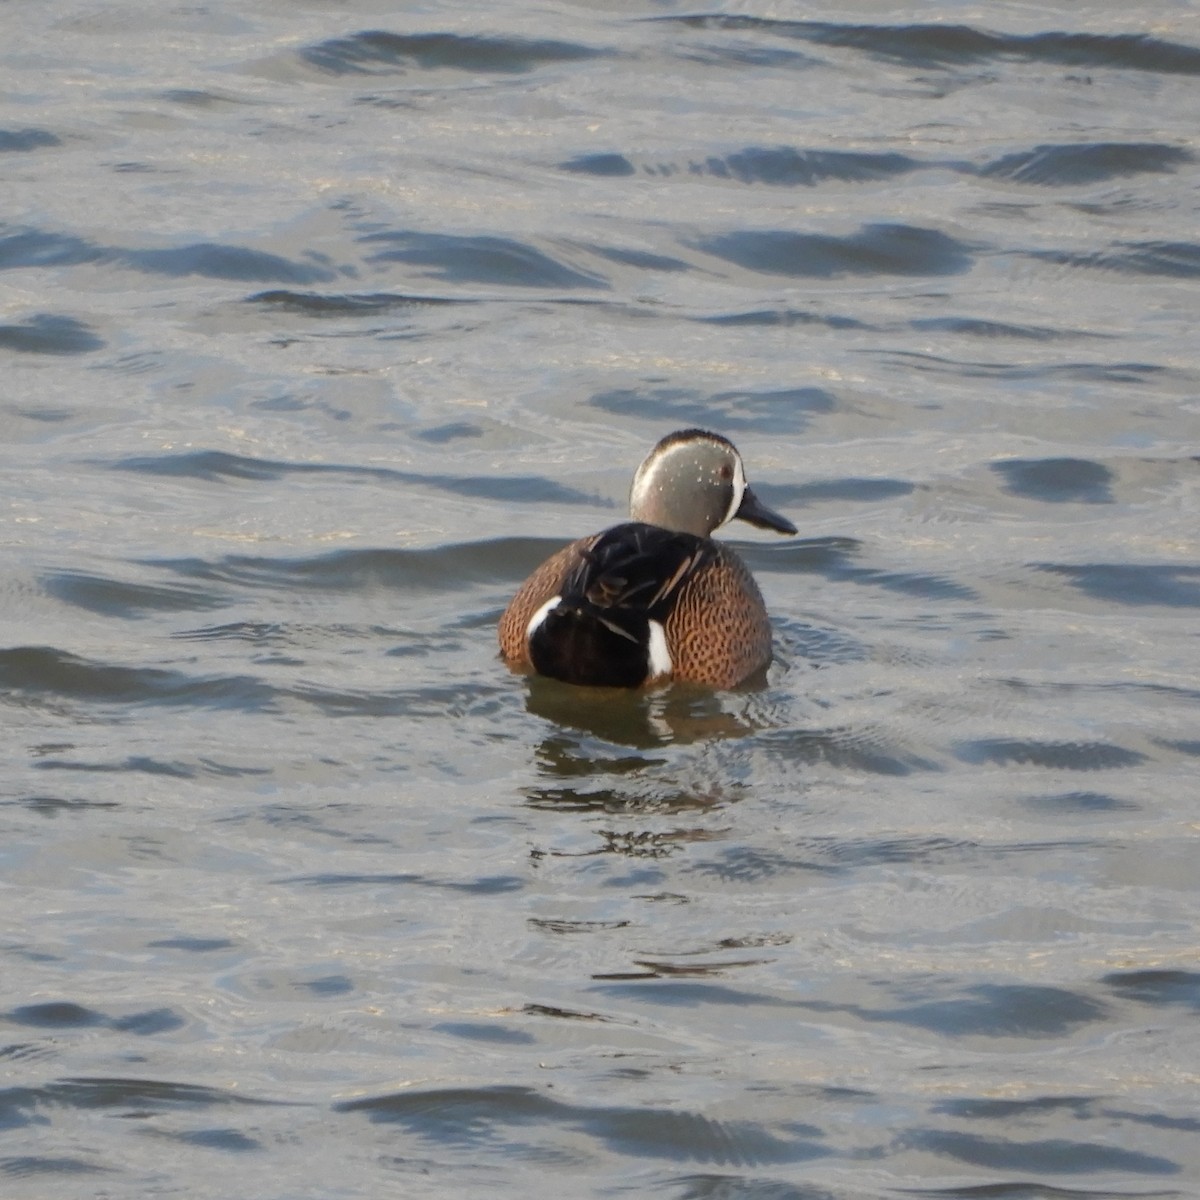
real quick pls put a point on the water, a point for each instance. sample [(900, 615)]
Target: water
[(322, 325)]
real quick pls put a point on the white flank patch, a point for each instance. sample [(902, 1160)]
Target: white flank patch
[(660, 656), (539, 616)]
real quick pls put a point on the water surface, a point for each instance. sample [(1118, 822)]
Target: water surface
[(322, 326)]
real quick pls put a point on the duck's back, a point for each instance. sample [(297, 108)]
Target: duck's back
[(638, 603)]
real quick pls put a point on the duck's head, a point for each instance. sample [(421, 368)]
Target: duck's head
[(693, 481)]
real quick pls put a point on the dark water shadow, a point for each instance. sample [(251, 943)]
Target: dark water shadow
[(228, 1141), (1057, 480), (1078, 803), (205, 98), (432, 569), (47, 333), (1043, 1156), (349, 304), (142, 764), (784, 318), (31, 247), (13, 141), (483, 1117), (880, 249), (1081, 1108), (1171, 260), (218, 466), (25, 1166), (496, 261), (710, 1186), (1087, 162), (380, 52), (126, 600), (933, 46), (489, 885), (63, 1014), (643, 260), (34, 248), (45, 677), (985, 1010), (908, 583), (603, 165), (742, 865), (785, 166), (1160, 987), (192, 945), (45, 674), (477, 1031), (216, 260), (830, 557), (1084, 371), (772, 166), (977, 327), (51, 807), (865, 750), (1054, 755), (1170, 585), (131, 1098), (1029, 1189)]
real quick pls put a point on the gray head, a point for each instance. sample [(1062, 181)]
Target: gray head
[(693, 481)]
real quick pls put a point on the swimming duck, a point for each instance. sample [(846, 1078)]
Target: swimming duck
[(654, 598)]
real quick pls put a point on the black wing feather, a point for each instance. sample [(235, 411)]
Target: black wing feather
[(599, 632)]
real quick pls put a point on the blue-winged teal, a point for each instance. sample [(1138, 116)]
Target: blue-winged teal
[(656, 597)]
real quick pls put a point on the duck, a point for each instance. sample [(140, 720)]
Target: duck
[(655, 598)]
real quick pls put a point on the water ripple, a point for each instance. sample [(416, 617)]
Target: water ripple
[(380, 52), (214, 260), (932, 46), (349, 304), (1172, 585), (44, 672), (481, 259), (66, 1015), (1088, 162), (35, 248), (20, 140), (1057, 480), (775, 166), (777, 410), (141, 1096), (474, 1117), (47, 333), (1069, 756), (1163, 988), (1052, 1156), (216, 465), (118, 598), (434, 569), (1176, 260), (874, 250)]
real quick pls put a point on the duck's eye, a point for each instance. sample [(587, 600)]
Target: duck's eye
[(726, 472)]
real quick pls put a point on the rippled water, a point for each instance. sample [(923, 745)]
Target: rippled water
[(324, 323)]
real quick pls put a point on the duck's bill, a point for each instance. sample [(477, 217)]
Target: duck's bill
[(752, 509)]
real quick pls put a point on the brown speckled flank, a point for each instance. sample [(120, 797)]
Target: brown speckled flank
[(711, 611)]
